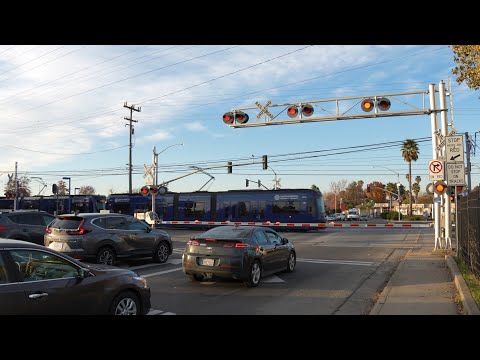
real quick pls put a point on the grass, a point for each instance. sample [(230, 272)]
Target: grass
[(472, 282)]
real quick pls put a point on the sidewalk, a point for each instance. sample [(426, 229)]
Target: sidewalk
[(426, 282)]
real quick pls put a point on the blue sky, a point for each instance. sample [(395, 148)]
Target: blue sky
[(63, 113)]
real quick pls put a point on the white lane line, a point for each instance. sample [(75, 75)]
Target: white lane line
[(161, 272), (341, 262), (160, 312), (168, 313), (170, 261)]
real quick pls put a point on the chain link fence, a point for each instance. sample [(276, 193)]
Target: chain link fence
[(469, 231)]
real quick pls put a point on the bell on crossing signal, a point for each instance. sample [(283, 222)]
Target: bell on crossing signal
[(367, 105), (145, 190), (241, 117), (383, 104), (307, 110), (292, 111), (228, 118)]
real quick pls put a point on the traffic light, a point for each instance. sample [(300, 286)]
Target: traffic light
[(383, 104), (246, 182), (228, 118), (238, 116), (307, 110), (452, 195), (229, 167), (367, 105), (145, 190), (439, 187), (259, 183), (264, 162), (54, 188), (10, 195), (241, 117), (292, 111)]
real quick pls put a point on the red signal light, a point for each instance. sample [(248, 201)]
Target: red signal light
[(145, 190), (153, 190), (307, 110), (228, 118), (292, 111), (383, 104), (367, 105), (241, 117)]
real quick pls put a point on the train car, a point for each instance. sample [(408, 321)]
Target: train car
[(261, 206), (57, 204)]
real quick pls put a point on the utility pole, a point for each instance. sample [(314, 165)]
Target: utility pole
[(16, 189), (132, 108), (469, 164)]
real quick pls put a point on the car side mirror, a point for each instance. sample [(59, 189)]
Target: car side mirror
[(148, 229), (284, 241), (82, 273)]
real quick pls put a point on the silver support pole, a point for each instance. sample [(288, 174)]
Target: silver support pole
[(16, 189), (446, 197), (436, 198)]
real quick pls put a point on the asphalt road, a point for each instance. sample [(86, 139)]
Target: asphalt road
[(339, 271)]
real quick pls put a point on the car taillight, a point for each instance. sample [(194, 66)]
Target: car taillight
[(80, 231), (241, 245), (47, 230), (193, 242)]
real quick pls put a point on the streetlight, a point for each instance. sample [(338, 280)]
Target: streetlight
[(69, 197), (398, 187), (275, 185)]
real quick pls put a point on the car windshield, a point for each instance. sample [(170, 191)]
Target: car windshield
[(227, 232), (72, 222)]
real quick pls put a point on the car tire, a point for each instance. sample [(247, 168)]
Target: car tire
[(254, 274), (291, 262), (106, 255), (195, 277), (126, 303), (162, 252)]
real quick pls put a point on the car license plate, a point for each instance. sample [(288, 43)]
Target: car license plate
[(56, 246), (208, 262)]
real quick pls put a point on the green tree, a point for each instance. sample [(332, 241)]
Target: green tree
[(354, 194), (468, 70), (376, 192), (416, 187), (391, 188), (410, 153)]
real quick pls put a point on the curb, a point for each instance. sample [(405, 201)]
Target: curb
[(469, 305)]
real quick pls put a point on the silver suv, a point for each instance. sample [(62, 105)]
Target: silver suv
[(27, 225), (104, 238)]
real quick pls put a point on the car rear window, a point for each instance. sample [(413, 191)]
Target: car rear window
[(72, 222), (227, 232)]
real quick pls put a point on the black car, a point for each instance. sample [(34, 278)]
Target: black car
[(103, 238), (35, 280), (245, 253), (27, 225)]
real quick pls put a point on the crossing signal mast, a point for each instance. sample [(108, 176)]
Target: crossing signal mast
[(364, 107)]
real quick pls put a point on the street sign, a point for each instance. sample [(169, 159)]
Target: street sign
[(436, 169), (454, 148), (456, 173)]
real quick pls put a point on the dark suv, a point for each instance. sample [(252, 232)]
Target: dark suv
[(104, 238), (27, 225)]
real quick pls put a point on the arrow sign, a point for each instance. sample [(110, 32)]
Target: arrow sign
[(454, 148), (437, 170), (454, 157)]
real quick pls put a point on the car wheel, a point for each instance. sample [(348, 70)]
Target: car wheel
[(195, 277), (161, 252), (126, 303), (292, 261), (106, 255), (254, 274)]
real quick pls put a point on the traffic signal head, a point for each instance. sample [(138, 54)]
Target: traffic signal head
[(307, 110), (264, 162), (383, 104), (54, 188), (246, 182), (241, 117), (292, 111), (367, 105), (229, 167), (440, 187), (259, 183), (145, 190), (228, 118)]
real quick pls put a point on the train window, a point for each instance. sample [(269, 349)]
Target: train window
[(194, 210), (286, 207), (243, 209)]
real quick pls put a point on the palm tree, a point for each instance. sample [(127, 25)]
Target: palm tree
[(410, 153)]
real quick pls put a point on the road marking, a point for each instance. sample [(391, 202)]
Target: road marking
[(272, 279), (161, 272), (170, 261), (341, 262), (178, 251)]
